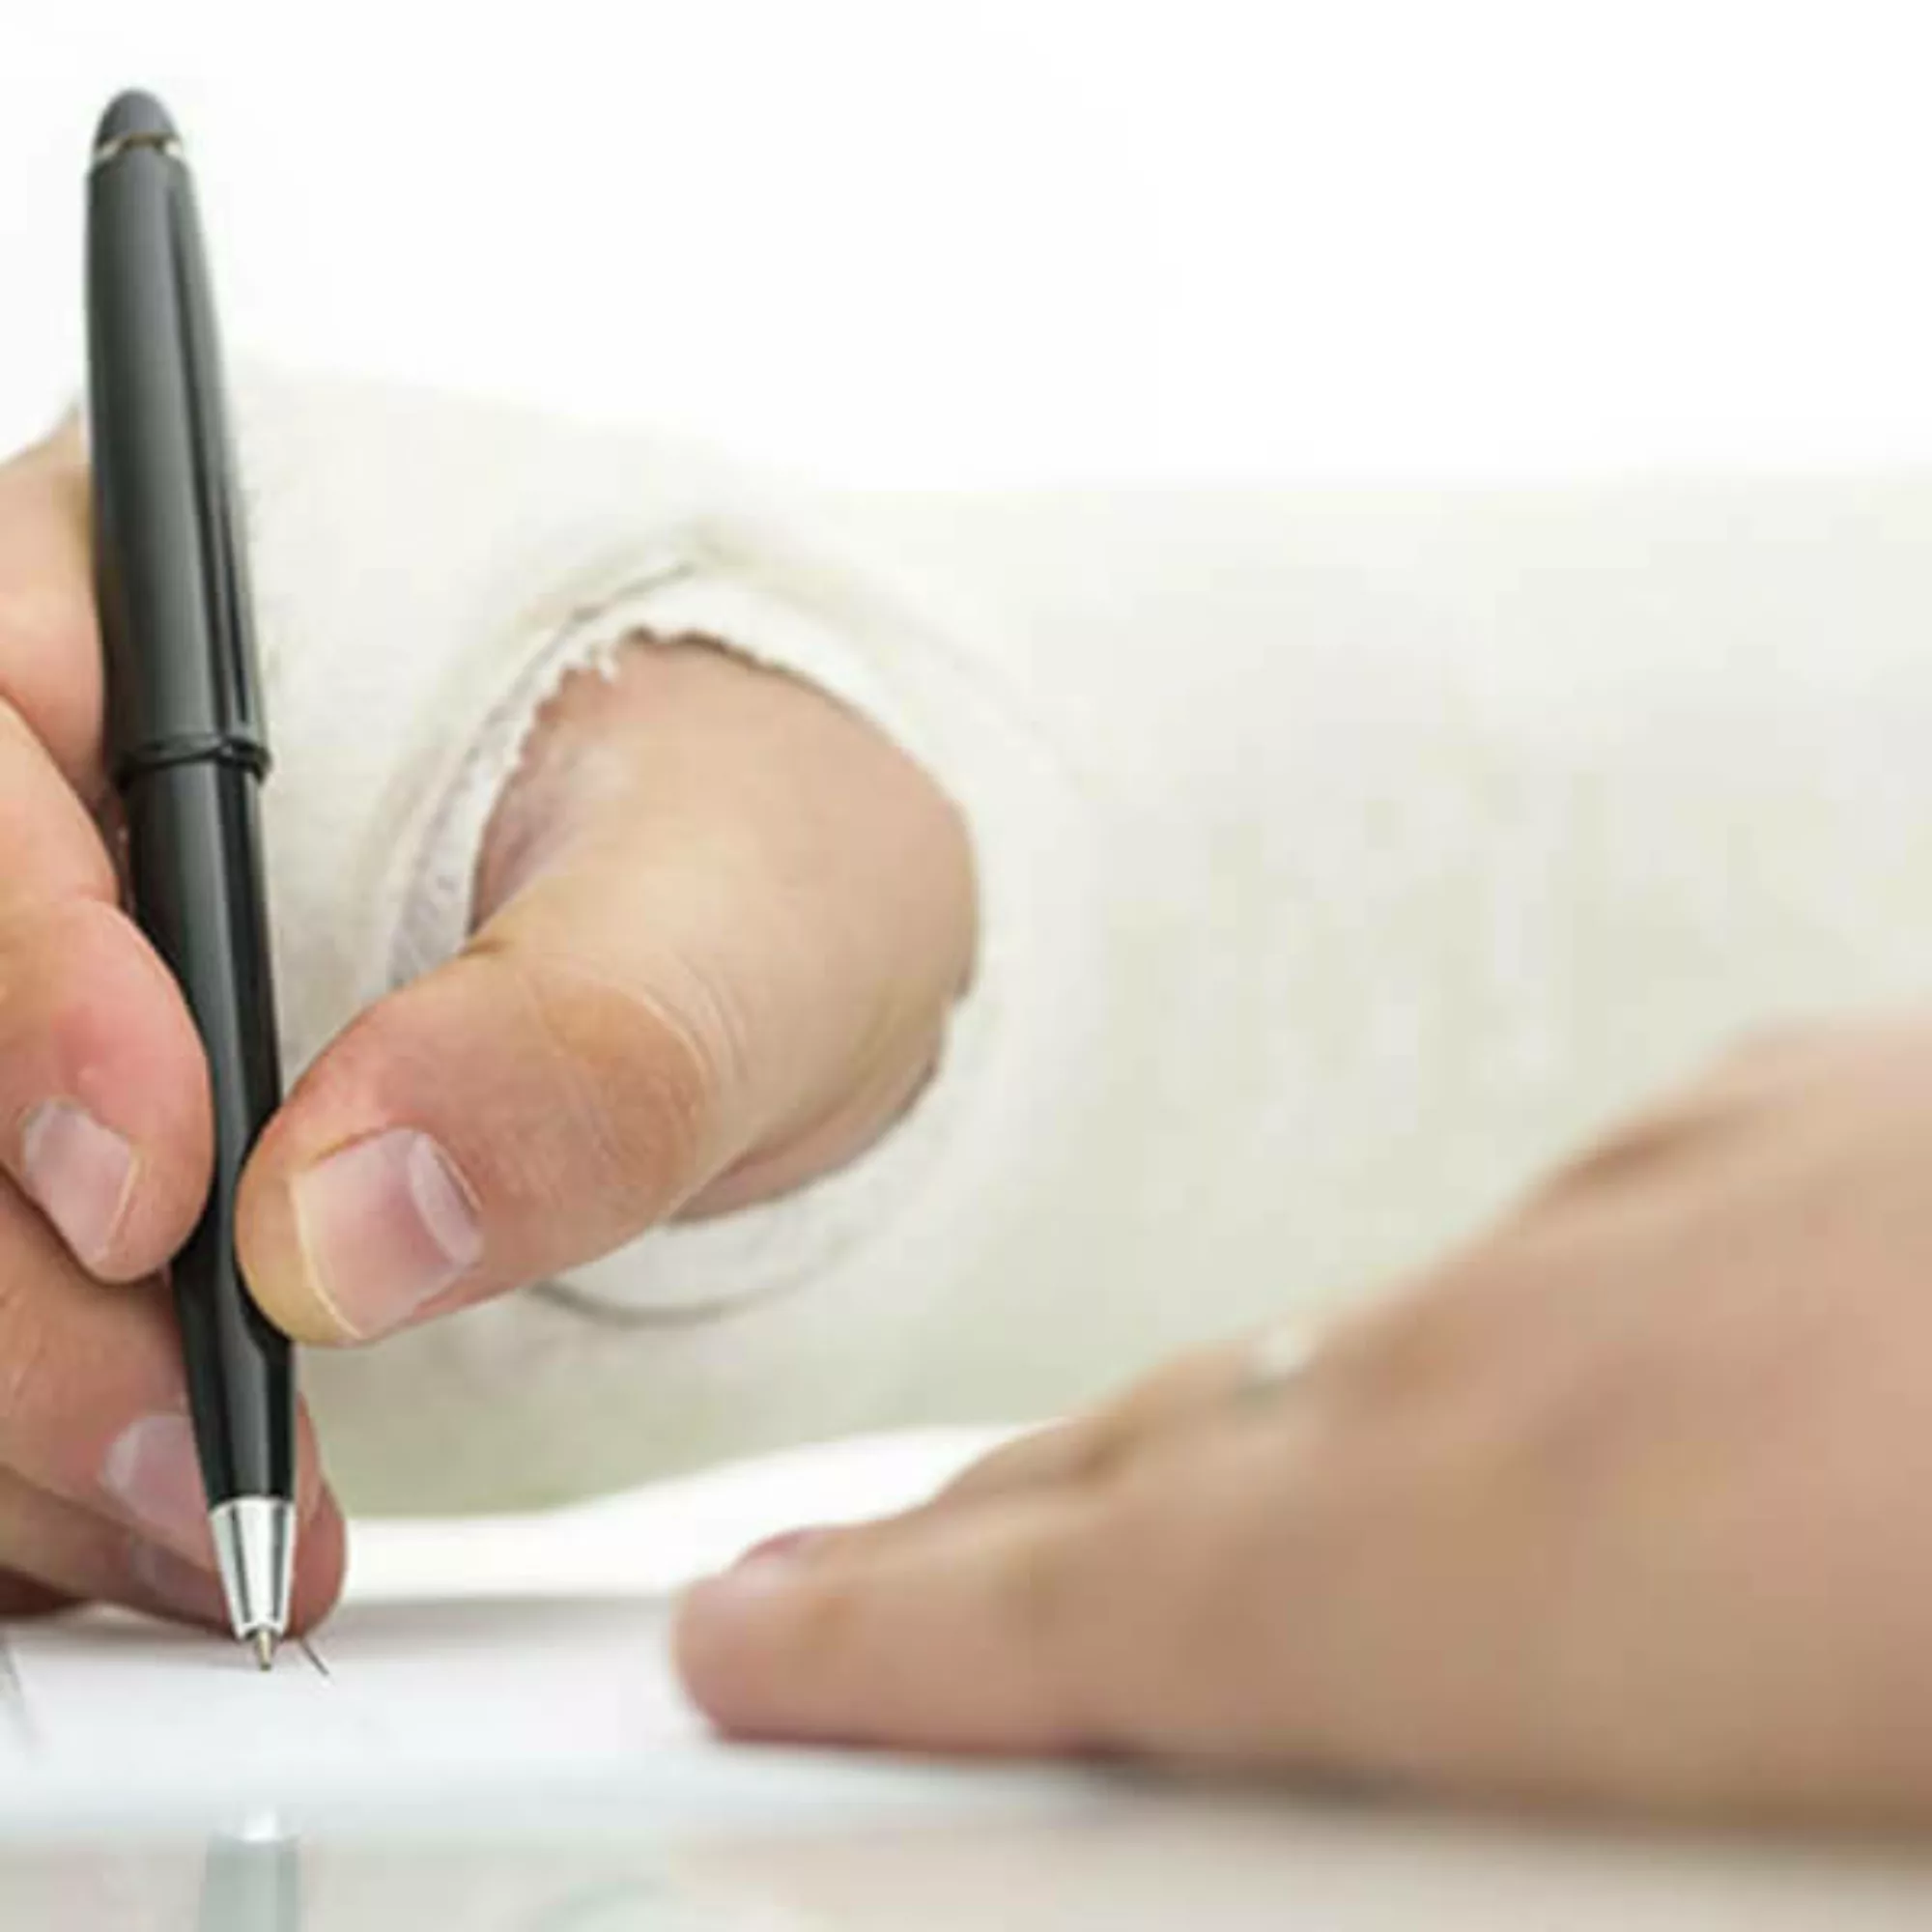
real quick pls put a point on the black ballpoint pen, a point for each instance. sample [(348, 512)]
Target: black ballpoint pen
[(187, 757)]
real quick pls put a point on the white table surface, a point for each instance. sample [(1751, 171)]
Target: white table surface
[(1019, 1855)]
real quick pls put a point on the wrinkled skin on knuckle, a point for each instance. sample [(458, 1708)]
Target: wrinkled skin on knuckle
[(637, 1085)]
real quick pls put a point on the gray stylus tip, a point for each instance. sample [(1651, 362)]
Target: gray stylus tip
[(254, 1549), (265, 1650)]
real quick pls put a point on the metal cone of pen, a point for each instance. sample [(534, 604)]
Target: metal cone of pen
[(189, 754)]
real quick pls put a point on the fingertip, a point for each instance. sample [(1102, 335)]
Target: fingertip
[(82, 1175), (721, 1623), (457, 1140), (312, 1490), (322, 1537), (322, 1563), (728, 1641), (362, 1239), (268, 1245), (24, 1598), (267, 1235), (111, 1135), (329, 1109), (956, 1635)]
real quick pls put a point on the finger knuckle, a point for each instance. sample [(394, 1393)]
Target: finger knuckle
[(634, 1080), (44, 623), (1539, 1382), (1183, 1593), (1042, 1613), (1032, 1590), (25, 1341), (54, 962), (40, 815), (48, 656)]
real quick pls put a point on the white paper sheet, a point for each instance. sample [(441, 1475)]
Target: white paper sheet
[(393, 1692), (526, 1652)]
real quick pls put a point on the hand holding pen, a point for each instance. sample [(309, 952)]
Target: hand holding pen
[(691, 839), (106, 1099)]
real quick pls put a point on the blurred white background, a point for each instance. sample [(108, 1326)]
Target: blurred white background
[(906, 243)]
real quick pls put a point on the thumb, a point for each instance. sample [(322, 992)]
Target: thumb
[(725, 968)]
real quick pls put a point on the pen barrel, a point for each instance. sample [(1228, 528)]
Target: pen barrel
[(194, 876), (171, 576)]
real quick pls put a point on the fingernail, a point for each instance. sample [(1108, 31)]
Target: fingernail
[(384, 1225), (153, 1475), (173, 1585), (786, 1547), (80, 1174), (738, 1600)]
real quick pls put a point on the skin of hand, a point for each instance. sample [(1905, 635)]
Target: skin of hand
[(721, 926), (1621, 1506)]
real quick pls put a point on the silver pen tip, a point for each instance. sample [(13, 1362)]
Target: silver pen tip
[(265, 1649), (254, 1549)]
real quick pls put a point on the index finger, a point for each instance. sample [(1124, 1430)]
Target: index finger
[(104, 1095), (49, 641)]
